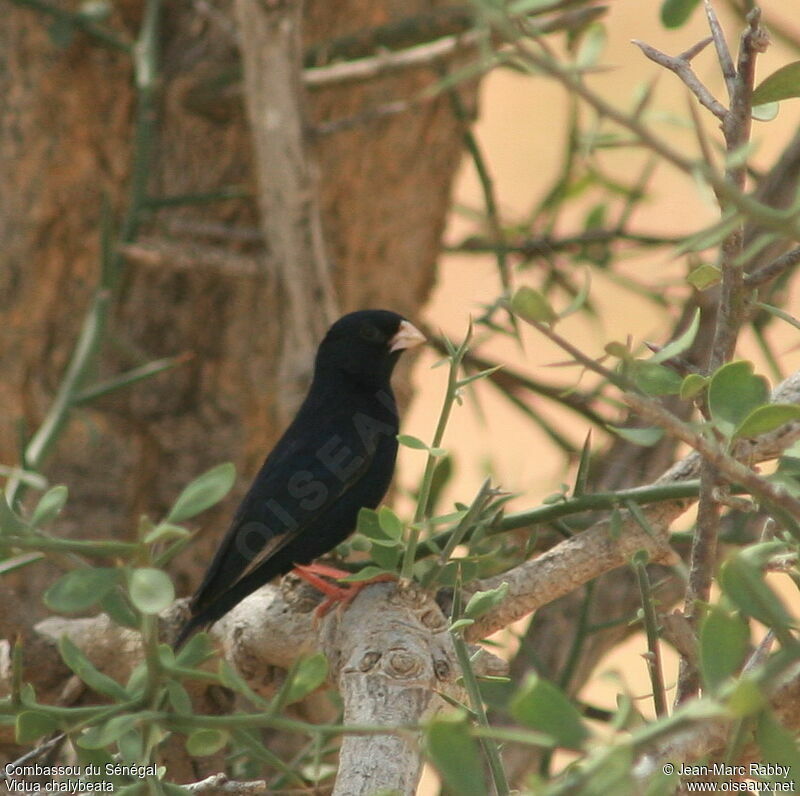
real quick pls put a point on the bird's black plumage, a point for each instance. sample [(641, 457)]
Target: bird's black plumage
[(336, 457)]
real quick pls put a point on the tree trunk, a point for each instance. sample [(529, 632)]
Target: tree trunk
[(197, 277)]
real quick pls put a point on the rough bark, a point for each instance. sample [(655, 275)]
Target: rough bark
[(66, 140)]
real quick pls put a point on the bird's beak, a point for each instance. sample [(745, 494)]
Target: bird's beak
[(407, 336)]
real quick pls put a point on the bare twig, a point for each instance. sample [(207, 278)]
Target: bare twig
[(374, 66), (654, 412), (371, 115), (169, 254), (549, 244), (785, 222), (773, 270), (680, 65), (398, 34), (701, 570), (723, 52), (219, 783)]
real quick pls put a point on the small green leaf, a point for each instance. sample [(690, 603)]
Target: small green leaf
[(746, 698), (10, 522), (179, 697), (765, 419), (692, 385), (49, 505), (580, 297), (765, 112), (102, 735), (309, 675), (459, 623), (18, 562), (483, 601), (779, 313), (202, 743), (31, 725), (778, 745), (164, 532), (367, 573), (81, 589), (390, 523), (782, 84), (704, 277), (151, 590), (203, 492), (531, 305), (618, 350), (131, 746), (369, 525), (411, 442), (654, 379), (744, 585), (679, 344), (386, 556), (455, 754), (196, 650), (646, 437), (591, 48), (733, 393), (582, 476), (479, 375), (74, 658), (117, 606), (231, 678), (541, 706), (675, 13), (724, 642)]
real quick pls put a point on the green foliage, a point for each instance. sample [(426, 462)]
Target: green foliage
[(783, 83), (530, 305), (654, 379), (49, 506), (81, 589), (203, 492), (704, 276), (309, 675), (742, 580), (454, 752), (541, 706), (733, 393), (724, 642), (639, 436), (674, 13), (483, 601), (150, 590)]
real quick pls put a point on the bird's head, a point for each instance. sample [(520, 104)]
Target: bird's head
[(366, 345)]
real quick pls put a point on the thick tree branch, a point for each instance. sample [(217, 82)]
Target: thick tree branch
[(578, 560)]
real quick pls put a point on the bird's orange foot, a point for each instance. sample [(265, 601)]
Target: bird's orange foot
[(343, 595)]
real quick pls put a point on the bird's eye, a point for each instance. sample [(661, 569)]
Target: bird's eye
[(371, 333)]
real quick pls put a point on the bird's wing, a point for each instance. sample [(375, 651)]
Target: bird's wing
[(294, 487)]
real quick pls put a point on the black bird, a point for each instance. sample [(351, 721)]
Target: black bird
[(337, 456)]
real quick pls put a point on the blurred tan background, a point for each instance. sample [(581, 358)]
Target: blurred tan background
[(520, 126)]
